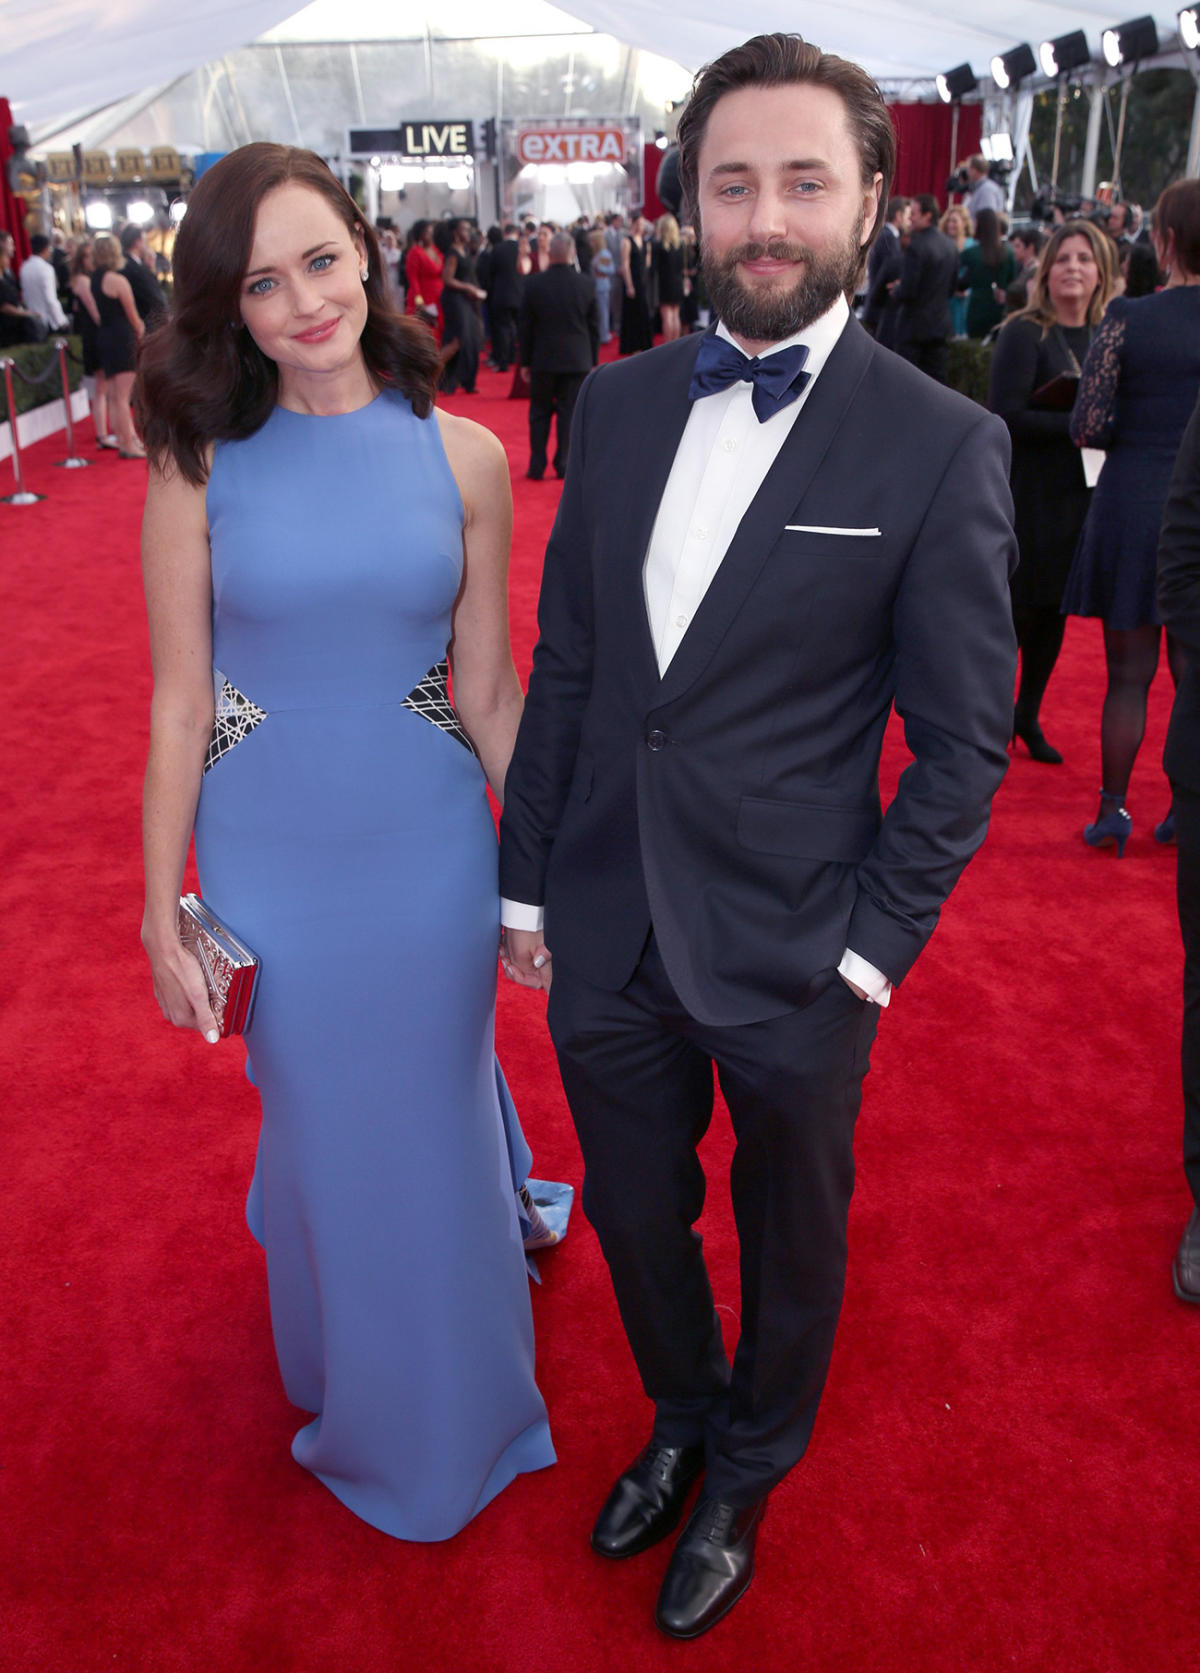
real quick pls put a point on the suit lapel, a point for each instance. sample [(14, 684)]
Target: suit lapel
[(783, 489), (653, 434)]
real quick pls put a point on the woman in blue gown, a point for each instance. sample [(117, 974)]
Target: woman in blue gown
[(318, 545)]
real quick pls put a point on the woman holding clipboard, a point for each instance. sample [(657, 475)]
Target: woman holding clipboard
[(1034, 375)]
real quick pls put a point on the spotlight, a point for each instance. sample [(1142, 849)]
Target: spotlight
[(956, 83), (997, 147), (140, 212), (178, 211), (1068, 52), (1189, 28), (98, 215), (1130, 42), (1014, 65), (660, 139)]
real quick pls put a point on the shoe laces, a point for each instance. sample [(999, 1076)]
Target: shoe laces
[(715, 1519)]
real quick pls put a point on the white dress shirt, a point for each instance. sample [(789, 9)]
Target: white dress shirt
[(722, 460), (39, 292)]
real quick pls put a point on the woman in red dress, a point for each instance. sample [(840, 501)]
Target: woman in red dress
[(423, 272)]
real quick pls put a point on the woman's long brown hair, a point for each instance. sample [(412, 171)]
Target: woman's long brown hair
[(201, 376)]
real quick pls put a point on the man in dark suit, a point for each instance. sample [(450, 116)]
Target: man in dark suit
[(504, 297), (1179, 603), (148, 296), (559, 329), (884, 263), (769, 534), (927, 278)]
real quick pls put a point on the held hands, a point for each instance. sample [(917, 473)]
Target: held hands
[(525, 958), (180, 987)]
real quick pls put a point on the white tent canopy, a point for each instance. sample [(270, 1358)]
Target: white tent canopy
[(62, 58)]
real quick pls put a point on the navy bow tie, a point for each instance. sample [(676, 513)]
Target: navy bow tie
[(777, 379)]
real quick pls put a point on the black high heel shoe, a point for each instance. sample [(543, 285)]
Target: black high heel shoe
[(1113, 825), (1034, 739)]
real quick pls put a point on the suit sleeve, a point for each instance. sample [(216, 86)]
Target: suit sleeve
[(955, 661), (525, 327), (910, 276), (1179, 545), (543, 762)]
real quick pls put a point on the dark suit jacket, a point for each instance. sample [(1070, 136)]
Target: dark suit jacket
[(504, 276), (148, 296), (881, 313), (735, 800), (1179, 602), (559, 324), (927, 278)]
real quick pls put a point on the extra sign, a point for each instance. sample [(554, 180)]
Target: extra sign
[(571, 145)]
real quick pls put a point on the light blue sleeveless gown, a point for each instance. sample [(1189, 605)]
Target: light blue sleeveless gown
[(343, 831)]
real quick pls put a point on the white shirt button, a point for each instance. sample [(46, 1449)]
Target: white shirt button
[(731, 446), (700, 533), (681, 621)]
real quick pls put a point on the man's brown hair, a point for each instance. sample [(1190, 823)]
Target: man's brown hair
[(782, 60)]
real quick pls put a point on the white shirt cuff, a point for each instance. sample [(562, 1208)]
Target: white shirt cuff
[(865, 976), (516, 914)]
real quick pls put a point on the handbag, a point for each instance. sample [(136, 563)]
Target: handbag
[(230, 969)]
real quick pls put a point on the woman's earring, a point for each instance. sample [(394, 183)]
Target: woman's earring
[(364, 274)]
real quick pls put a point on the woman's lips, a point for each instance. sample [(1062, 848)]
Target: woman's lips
[(317, 333)]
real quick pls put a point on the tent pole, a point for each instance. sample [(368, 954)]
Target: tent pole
[(1193, 156), (1058, 122), (1091, 149)]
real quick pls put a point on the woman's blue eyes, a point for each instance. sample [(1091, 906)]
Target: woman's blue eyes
[(319, 264)]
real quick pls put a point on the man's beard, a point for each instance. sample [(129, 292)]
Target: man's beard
[(768, 315)]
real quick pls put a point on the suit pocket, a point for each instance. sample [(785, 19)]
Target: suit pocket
[(807, 541), (806, 830)]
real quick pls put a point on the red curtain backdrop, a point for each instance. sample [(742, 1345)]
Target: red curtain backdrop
[(12, 209), (923, 134)]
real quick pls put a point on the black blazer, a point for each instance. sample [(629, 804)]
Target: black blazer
[(148, 296), (735, 800), (1179, 603), (504, 276), (928, 275), (881, 311), (559, 324)]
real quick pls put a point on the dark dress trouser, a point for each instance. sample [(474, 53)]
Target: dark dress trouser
[(551, 395), (638, 1074), (1186, 803)]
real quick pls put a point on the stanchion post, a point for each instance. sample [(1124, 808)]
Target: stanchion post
[(21, 496), (72, 462)]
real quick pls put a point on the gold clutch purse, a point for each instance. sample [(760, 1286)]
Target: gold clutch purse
[(230, 969)]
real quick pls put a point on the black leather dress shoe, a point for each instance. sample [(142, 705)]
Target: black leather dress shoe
[(647, 1500), (710, 1568), (1185, 1269)]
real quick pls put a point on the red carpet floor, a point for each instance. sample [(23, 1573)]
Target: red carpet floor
[(1005, 1470)]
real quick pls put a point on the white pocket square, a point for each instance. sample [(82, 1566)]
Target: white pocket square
[(817, 528)]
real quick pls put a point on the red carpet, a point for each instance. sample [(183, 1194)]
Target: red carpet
[(1005, 1472)]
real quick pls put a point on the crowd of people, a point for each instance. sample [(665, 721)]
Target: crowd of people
[(692, 843)]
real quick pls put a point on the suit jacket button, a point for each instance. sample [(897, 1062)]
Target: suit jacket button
[(656, 740)]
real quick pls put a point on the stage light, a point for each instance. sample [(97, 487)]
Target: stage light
[(1189, 28), (98, 215), (177, 211), (1014, 65), (660, 139), (139, 212), (1130, 42), (954, 84), (998, 147), (1064, 54)]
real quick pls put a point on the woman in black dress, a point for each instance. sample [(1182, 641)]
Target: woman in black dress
[(1140, 383), (668, 266), (86, 321), (636, 333), (461, 297), (118, 335), (1047, 340)]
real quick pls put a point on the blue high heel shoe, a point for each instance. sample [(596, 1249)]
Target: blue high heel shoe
[(1164, 831), (1114, 827)]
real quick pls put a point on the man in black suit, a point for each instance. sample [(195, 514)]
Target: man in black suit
[(1179, 603), (148, 296), (769, 534), (559, 330), (504, 297), (927, 278), (884, 263)]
